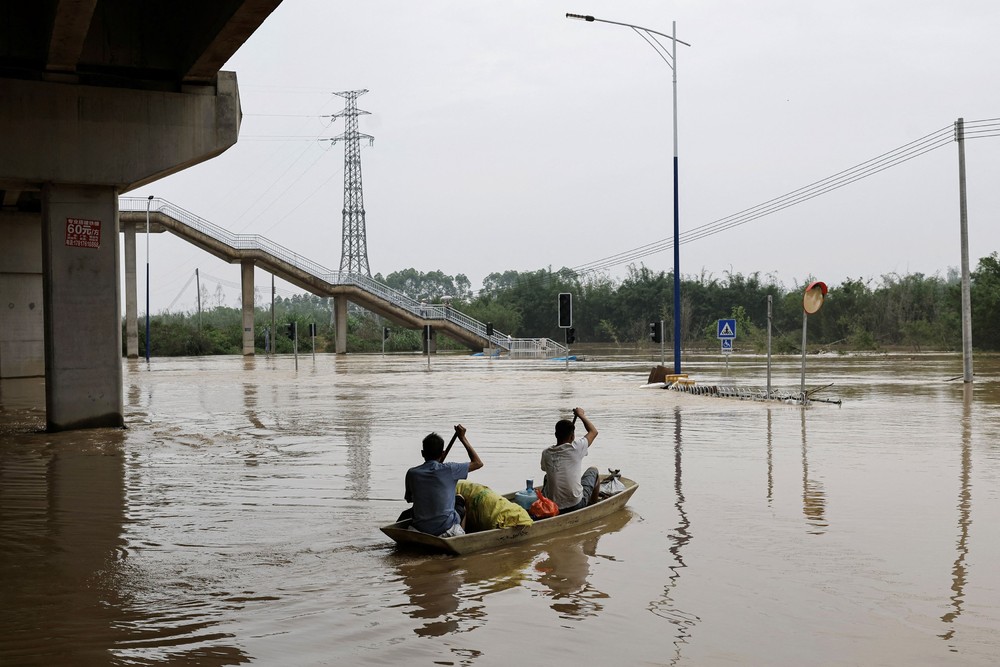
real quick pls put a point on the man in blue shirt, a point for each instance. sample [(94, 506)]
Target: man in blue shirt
[(431, 487)]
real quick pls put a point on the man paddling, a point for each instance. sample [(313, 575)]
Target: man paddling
[(431, 487), (563, 461)]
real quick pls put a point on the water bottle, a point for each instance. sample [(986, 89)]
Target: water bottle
[(526, 496)]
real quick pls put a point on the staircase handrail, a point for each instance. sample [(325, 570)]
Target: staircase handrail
[(367, 283)]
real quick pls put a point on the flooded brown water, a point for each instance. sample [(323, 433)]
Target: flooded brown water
[(236, 519)]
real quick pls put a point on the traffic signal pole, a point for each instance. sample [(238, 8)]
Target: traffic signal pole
[(656, 335), (661, 342)]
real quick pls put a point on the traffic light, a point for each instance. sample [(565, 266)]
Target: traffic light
[(291, 329), (565, 310), (489, 329), (385, 333), (656, 332), (570, 336)]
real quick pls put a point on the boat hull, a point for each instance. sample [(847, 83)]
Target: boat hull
[(503, 537)]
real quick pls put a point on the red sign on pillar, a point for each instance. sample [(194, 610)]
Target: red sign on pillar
[(82, 233)]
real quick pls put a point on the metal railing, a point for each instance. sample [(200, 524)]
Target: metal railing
[(747, 393), (521, 347)]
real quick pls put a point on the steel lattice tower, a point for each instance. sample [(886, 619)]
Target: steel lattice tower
[(354, 244)]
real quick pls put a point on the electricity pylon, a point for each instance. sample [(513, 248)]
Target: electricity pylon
[(354, 244)]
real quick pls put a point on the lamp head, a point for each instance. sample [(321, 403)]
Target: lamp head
[(580, 17)]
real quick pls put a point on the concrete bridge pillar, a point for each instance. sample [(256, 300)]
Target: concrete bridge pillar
[(79, 146), (131, 309), (246, 284), (430, 344), (22, 345), (81, 304), (340, 323)]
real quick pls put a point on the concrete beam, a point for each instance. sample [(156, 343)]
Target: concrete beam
[(69, 32), (10, 197), (214, 55), (116, 137)]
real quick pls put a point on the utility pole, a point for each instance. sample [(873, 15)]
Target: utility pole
[(354, 243), (966, 289), (273, 331), (197, 285)]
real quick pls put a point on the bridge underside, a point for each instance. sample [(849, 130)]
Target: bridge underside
[(97, 97)]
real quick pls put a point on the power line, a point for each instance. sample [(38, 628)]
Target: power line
[(983, 128), (892, 158), (285, 115)]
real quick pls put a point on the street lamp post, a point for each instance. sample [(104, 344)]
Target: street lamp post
[(671, 59), (149, 201)]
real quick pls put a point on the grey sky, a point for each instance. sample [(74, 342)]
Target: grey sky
[(509, 137)]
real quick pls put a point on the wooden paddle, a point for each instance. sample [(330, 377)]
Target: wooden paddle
[(448, 448)]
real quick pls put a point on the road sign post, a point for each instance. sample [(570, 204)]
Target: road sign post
[(726, 329), (726, 333), (812, 301)]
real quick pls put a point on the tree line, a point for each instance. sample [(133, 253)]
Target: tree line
[(913, 311)]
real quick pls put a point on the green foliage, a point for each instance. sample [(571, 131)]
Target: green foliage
[(986, 303), (431, 286), (914, 311)]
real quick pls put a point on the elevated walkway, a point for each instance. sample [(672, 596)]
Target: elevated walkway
[(317, 279)]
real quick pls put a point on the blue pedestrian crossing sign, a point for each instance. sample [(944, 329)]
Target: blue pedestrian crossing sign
[(727, 329), (727, 345)]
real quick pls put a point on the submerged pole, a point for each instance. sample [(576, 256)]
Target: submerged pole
[(964, 224), (769, 317), (802, 385)]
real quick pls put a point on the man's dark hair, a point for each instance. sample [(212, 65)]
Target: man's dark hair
[(564, 429), (433, 446)]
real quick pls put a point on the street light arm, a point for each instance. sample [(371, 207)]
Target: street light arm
[(655, 44), (649, 36), (591, 19)]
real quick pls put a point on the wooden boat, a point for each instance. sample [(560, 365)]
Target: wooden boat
[(502, 537)]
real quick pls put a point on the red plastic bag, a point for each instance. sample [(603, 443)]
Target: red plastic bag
[(543, 508)]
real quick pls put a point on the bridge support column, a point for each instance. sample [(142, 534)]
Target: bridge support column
[(79, 145), (22, 347), (131, 295), (340, 323), (83, 370), (246, 283), (430, 344)]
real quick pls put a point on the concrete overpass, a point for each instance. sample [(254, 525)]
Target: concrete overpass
[(97, 97), (252, 250)]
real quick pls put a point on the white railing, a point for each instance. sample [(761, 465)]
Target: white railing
[(522, 347)]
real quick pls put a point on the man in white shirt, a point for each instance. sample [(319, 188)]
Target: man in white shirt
[(563, 461)]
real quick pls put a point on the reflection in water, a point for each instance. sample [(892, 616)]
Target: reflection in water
[(664, 607), (448, 593), (565, 569), (68, 575), (250, 404), (770, 459), (958, 572), (813, 495), (357, 419)]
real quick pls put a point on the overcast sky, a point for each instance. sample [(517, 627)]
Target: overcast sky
[(509, 137)]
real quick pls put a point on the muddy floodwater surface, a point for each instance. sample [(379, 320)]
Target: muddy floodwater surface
[(235, 520)]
